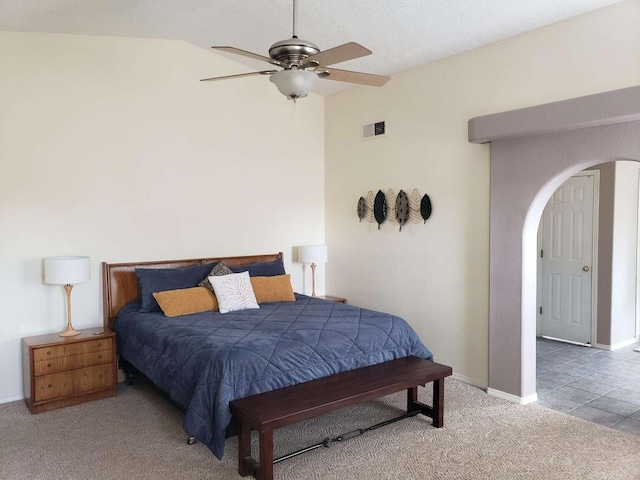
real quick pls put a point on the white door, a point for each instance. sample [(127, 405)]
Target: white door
[(566, 261)]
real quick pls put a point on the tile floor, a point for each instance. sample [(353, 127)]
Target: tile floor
[(596, 385)]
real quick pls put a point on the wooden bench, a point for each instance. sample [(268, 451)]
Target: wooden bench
[(267, 411)]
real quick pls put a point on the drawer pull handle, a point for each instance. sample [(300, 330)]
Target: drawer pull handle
[(99, 356), (49, 385), (49, 352), (100, 376), (48, 365), (100, 344)]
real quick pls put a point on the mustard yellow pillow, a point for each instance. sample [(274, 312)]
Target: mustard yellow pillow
[(186, 301), (273, 289)]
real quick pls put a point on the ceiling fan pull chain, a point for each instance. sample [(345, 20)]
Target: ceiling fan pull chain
[(295, 18)]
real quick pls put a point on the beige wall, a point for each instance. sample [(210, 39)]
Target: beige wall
[(436, 275), (111, 148)]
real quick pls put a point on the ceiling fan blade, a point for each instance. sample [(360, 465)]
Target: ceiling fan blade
[(342, 53), (353, 77), (264, 72), (244, 53)]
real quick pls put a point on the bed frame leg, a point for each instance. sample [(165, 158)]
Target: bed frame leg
[(128, 381), (191, 440), (128, 374)]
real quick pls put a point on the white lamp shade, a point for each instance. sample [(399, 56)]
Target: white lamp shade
[(294, 83), (67, 270), (312, 254)]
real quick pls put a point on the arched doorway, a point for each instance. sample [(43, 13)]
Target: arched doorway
[(583, 293), (533, 151)]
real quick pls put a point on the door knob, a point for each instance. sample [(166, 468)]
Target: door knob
[(586, 268)]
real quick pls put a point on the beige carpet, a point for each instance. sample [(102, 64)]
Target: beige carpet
[(137, 435)]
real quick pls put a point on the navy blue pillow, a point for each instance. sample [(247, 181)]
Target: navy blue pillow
[(264, 269), (153, 280)]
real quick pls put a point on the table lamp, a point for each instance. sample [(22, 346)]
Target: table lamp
[(312, 254), (67, 271)]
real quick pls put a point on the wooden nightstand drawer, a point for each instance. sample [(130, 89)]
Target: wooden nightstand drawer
[(71, 382), (61, 371), (73, 361), (79, 348)]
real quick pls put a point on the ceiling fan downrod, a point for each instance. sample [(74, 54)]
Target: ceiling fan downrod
[(295, 18)]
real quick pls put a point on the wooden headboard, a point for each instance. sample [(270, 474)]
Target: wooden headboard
[(120, 283)]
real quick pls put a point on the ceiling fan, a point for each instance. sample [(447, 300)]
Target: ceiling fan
[(303, 63)]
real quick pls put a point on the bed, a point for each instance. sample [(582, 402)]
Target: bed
[(205, 360)]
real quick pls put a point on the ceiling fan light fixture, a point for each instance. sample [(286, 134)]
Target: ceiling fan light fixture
[(294, 83)]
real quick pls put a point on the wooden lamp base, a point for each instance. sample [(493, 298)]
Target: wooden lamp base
[(313, 279), (69, 331)]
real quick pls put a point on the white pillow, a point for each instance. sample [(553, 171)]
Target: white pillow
[(234, 292)]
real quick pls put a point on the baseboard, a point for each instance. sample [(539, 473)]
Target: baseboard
[(469, 381), (11, 398), (616, 346), (513, 398)]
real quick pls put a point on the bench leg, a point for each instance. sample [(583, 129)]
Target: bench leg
[(436, 412), (244, 449), (265, 469), (412, 398), (438, 402)]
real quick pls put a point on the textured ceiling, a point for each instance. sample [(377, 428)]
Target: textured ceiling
[(402, 34)]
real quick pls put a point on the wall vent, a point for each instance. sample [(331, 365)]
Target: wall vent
[(373, 130)]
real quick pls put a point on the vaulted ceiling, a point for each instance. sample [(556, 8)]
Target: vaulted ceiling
[(402, 34)]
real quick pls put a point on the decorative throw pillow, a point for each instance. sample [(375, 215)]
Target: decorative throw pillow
[(154, 280), (263, 269), (234, 292), (219, 270), (273, 289), (186, 301)]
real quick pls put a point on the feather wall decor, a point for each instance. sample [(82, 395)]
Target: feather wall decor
[(369, 199), (362, 208), (390, 197), (425, 208), (380, 208), (414, 206), (402, 208)]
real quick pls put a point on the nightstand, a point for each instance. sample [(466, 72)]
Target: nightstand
[(332, 299), (62, 371)]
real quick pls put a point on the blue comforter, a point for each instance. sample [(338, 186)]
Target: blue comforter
[(205, 360)]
